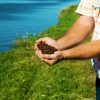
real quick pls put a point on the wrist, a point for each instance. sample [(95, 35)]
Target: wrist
[(60, 44), (65, 54)]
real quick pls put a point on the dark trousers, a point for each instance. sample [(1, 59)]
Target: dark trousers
[(97, 89)]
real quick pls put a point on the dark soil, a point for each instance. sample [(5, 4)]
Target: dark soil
[(46, 49)]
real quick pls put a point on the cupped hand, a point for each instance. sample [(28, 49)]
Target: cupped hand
[(53, 58), (48, 41)]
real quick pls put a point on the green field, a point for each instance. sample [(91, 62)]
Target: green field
[(23, 76)]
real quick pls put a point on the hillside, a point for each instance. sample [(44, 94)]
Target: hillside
[(24, 77)]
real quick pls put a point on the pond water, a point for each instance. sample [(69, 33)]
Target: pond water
[(32, 16)]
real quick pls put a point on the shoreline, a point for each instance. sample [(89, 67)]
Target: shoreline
[(31, 20), (21, 40)]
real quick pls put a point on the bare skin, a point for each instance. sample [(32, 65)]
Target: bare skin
[(84, 51), (77, 33)]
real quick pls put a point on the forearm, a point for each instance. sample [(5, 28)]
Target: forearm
[(84, 51), (77, 33)]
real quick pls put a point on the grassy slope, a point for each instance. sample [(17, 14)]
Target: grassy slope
[(24, 77)]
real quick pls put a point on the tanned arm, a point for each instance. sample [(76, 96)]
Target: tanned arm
[(77, 33), (84, 51)]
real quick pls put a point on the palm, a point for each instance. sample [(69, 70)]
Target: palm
[(49, 59)]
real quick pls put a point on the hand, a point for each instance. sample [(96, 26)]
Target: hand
[(46, 40), (53, 58)]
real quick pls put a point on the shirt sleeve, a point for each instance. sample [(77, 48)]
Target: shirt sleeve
[(85, 8)]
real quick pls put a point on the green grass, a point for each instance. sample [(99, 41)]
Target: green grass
[(24, 77)]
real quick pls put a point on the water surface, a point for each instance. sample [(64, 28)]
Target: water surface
[(33, 16)]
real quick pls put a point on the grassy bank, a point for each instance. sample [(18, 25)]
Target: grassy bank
[(24, 77)]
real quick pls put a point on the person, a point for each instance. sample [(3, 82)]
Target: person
[(69, 46)]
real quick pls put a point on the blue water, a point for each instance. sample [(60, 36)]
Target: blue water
[(33, 16)]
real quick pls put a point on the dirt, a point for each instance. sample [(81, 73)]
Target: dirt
[(46, 49)]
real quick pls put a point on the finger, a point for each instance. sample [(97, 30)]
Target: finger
[(49, 62), (57, 53), (39, 40), (40, 52), (42, 39), (37, 53), (36, 46), (50, 57), (49, 41)]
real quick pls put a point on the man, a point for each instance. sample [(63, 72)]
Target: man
[(68, 45)]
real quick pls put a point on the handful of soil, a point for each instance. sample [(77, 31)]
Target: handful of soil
[(46, 49)]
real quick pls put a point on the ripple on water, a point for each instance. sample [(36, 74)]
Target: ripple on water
[(21, 16)]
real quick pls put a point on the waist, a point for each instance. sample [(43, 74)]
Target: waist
[(96, 66), (96, 61)]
